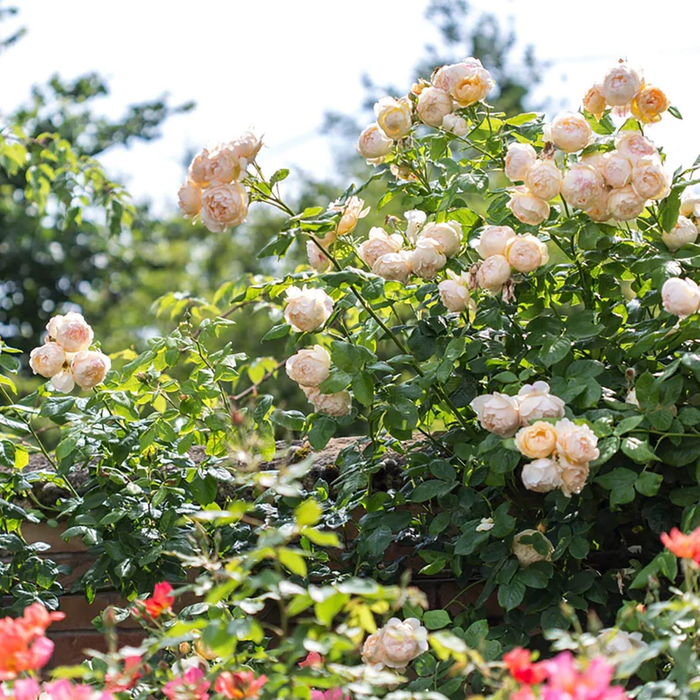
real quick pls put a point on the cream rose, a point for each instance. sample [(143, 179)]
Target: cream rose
[(378, 244), (199, 168), (582, 185), (614, 641), (573, 477), (335, 405), (493, 240), (620, 85), (493, 273), (309, 367), (455, 124), (526, 253), (471, 84), (543, 179), (248, 146), (520, 157), (541, 476), (625, 204), (394, 266), (47, 360), (433, 106), (307, 309), (649, 104), (535, 402), (497, 413), (690, 206), (394, 116), (576, 444), (527, 208), (536, 441), (190, 199), (427, 259), (617, 169), (454, 292), (63, 381), (599, 209), (317, 258), (685, 231), (225, 164), (594, 101), (632, 145), (353, 209), (223, 206), (71, 332), (446, 77), (415, 221), (526, 554), (396, 644), (596, 160), (649, 178), (680, 297), (89, 368), (447, 235), (569, 131), (374, 143)]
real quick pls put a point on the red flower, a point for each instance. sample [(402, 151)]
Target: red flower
[(239, 685), (314, 659), (23, 646), (518, 663), (126, 678), (683, 546), (191, 685), (161, 601)]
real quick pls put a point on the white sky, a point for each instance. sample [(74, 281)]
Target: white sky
[(278, 65)]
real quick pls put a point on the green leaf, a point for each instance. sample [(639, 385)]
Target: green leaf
[(363, 388), (293, 561), (279, 331), (292, 420), (322, 430), (648, 483), (510, 595), (554, 350), (436, 619), (377, 541), (627, 424), (638, 450)]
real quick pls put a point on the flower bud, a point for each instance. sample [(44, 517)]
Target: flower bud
[(454, 292), (317, 258), (352, 211)]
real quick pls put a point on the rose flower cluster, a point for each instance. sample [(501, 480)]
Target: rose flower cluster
[(437, 103), (625, 91), (616, 185), (433, 244), (213, 190), (396, 644), (502, 251), (561, 451), (65, 357)]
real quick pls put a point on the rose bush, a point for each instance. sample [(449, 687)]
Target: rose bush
[(515, 357)]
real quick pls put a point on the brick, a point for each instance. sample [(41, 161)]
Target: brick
[(70, 647), (41, 532)]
